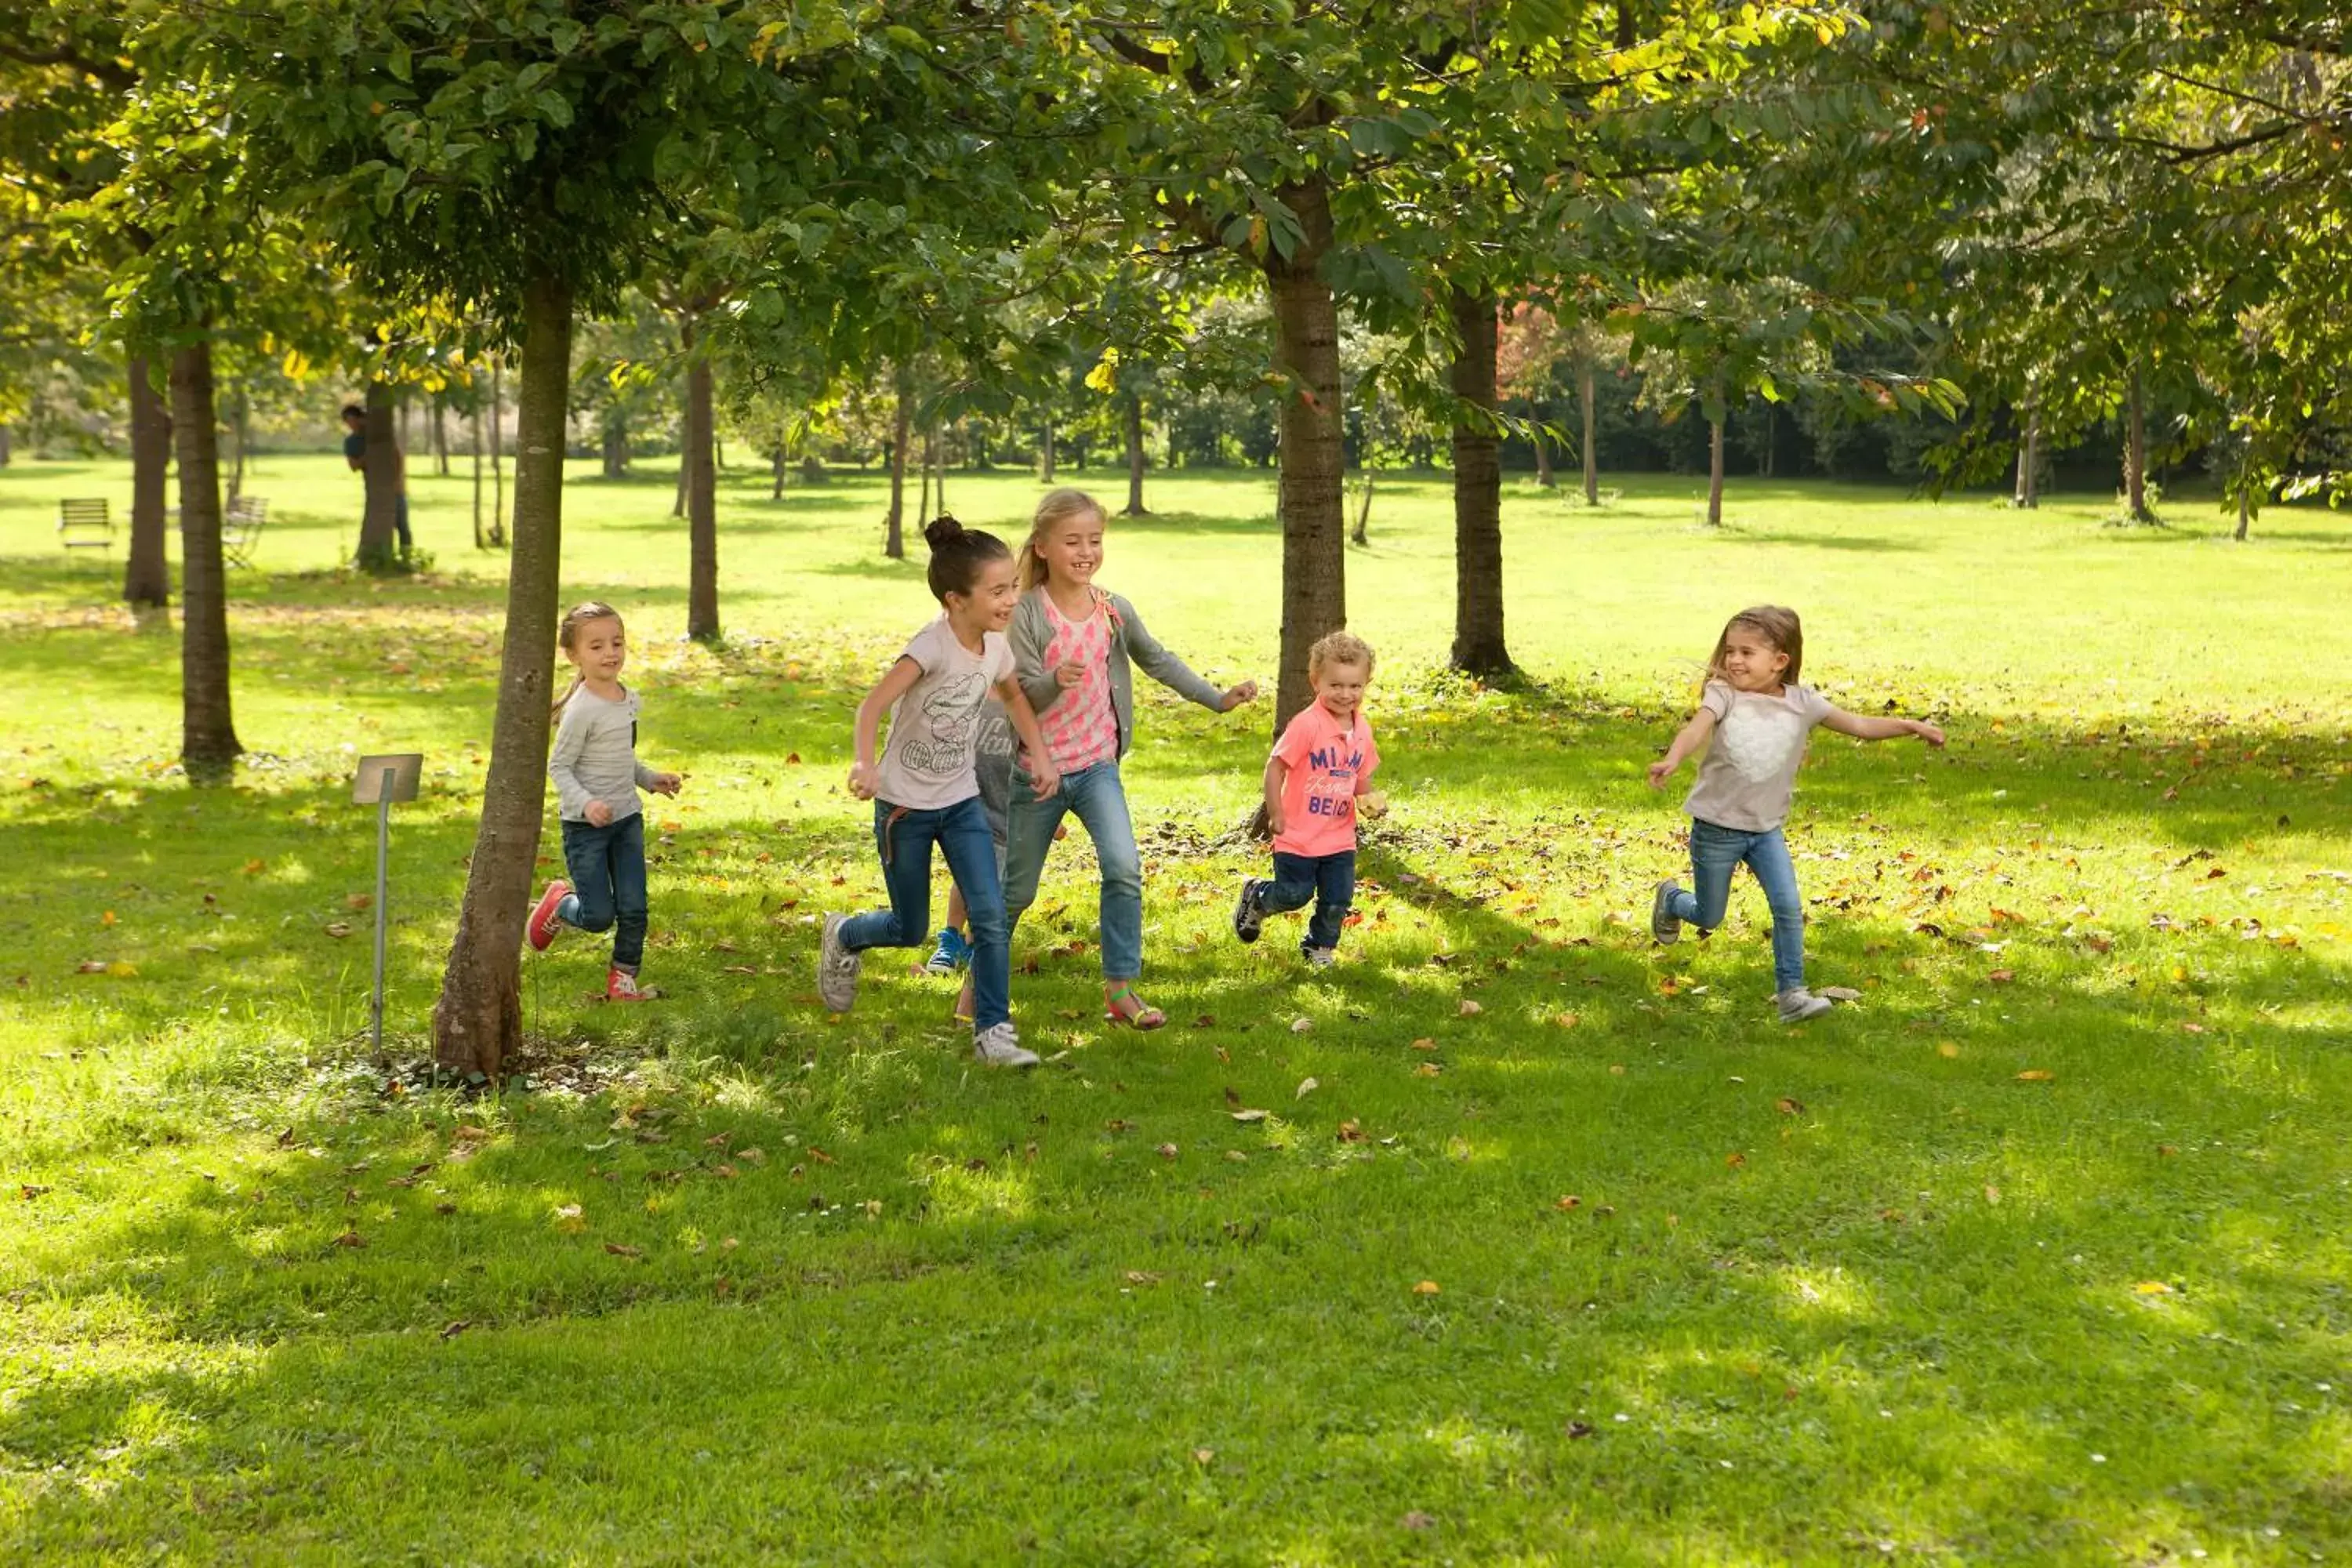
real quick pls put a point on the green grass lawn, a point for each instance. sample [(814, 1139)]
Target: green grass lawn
[(2039, 1254)]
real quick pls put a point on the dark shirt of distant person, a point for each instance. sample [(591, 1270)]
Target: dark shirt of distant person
[(355, 454)]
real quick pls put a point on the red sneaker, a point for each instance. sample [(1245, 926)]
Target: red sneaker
[(620, 986), (540, 928)]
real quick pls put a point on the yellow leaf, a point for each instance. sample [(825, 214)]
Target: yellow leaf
[(120, 970), (1426, 1288), (1947, 1048), (2152, 1287), (568, 1218), (2036, 1075)]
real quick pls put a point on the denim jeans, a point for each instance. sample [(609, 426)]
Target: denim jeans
[(905, 836), (1716, 853), (607, 867), (1328, 880), (1098, 798)]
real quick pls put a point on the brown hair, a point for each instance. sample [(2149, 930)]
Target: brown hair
[(1052, 512), (568, 632), (1775, 624), (957, 555), (1338, 648)]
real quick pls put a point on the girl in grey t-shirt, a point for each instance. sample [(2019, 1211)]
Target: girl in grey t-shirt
[(1754, 720)]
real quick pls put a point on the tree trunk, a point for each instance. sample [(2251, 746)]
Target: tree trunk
[(207, 735), (923, 511), (2245, 512), (440, 438), (2029, 463), (1306, 352), (498, 452), (1584, 385), (478, 1022), (7, 452), (479, 540), (380, 468), (2136, 450), (147, 573), (239, 427), (939, 464), (1047, 476), (778, 460), (1545, 478), (1362, 532), (701, 493), (1478, 645), (614, 430), (1715, 469), (1135, 507), (894, 534)]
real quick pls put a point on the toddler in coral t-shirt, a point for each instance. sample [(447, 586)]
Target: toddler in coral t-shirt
[(1318, 778)]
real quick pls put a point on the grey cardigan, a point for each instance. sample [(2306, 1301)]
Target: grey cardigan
[(1032, 632)]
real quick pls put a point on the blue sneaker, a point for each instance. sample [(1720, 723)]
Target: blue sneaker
[(953, 953)]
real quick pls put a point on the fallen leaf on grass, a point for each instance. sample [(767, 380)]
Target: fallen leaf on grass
[(753, 1156), (1426, 1288), (1301, 1025), (1417, 1519), (820, 1156), (1564, 1020), (1947, 1048), (1203, 1456), (1838, 993), (1249, 1115), (1167, 1150), (350, 1238), (451, 1330), (1788, 1107), (445, 1209), (2000, 976), (1577, 1429), (338, 930), (1141, 1276), (1424, 1044), (1993, 1193), (1735, 1159), (1426, 1069), (2036, 1075), (621, 1250), (1307, 1086), (1350, 1132), (1569, 1202), (568, 1218), (1470, 1009), (2152, 1287)]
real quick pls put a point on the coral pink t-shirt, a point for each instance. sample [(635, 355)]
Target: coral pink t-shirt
[(1080, 728), (1327, 761)]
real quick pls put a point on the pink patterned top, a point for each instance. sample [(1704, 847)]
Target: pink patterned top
[(1080, 729)]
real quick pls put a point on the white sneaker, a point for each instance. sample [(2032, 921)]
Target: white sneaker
[(1320, 957), (1799, 1005), (836, 968), (999, 1046)]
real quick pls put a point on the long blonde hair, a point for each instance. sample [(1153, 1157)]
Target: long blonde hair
[(1029, 571), (568, 632), (1776, 625)]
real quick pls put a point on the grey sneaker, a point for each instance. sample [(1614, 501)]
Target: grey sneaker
[(1799, 1005), (999, 1046), (1665, 924), (1320, 957), (1248, 918), (836, 968)]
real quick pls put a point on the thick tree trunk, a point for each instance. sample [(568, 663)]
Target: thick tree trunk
[(1135, 507), (1715, 471), (380, 469), (480, 540), (477, 1023), (147, 573), (208, 742), (1046, 476), (701, 493), (1478, 644), (902, 420), (498, 452), (2136, 505), (1314, 542), (1585, 389), (2029, 463), (614, 431)]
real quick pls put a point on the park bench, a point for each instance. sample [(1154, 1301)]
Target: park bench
[(85, 525), (241, 529)]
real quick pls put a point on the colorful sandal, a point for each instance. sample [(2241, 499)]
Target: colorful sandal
[(1124, 1007)]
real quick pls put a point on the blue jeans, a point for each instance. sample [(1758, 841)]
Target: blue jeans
[(1100, 798), (607, 869), (904, 837), (1329, 880), (1716, 853)]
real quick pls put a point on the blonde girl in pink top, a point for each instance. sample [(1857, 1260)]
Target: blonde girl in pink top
[(1073, 643)]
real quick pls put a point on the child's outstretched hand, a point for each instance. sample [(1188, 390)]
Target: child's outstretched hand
[(863, 779), (1235, 697), (1927, 732), (1660, 771), (598, 814), (666, 783)]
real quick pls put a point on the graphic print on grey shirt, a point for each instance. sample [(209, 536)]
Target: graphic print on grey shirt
[(926, 763), (1750, 771), (595, 756)]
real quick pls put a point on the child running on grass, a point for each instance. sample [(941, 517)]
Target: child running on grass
[(925, 790), (597, 776), (1319, 775), (1758, 717), (1075, 643)]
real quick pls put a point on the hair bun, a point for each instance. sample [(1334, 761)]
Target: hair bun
[(941, 531)]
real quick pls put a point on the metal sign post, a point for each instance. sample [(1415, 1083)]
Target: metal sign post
[(379, 781)]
